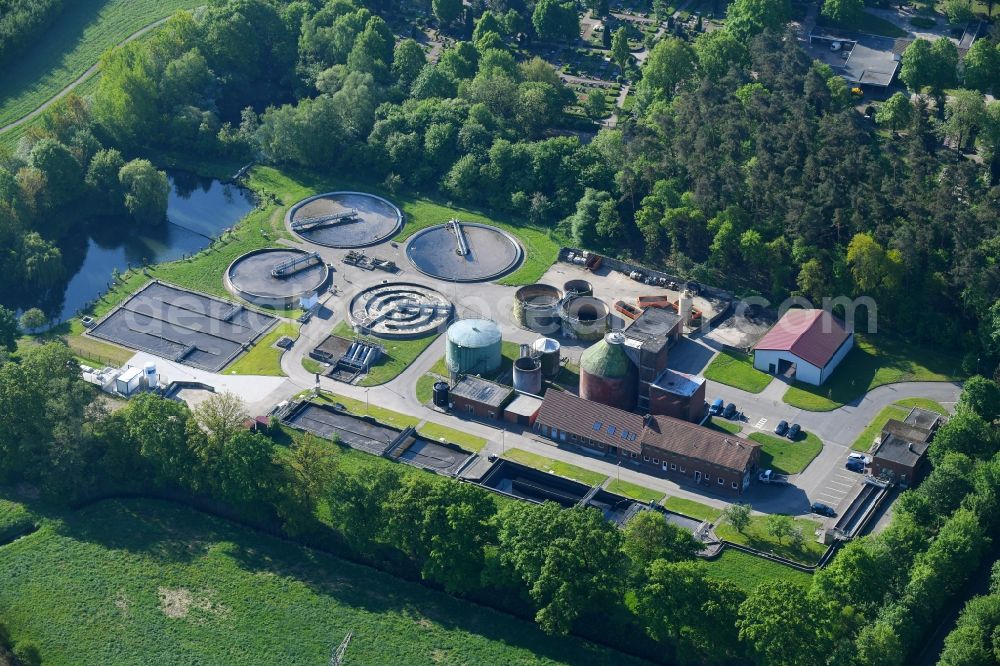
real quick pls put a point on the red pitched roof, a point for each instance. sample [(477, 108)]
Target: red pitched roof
[(812, 335)]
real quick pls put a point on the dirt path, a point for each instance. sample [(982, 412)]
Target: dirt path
[(83, 77)]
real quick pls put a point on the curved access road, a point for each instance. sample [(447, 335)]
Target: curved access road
[(83, 77)]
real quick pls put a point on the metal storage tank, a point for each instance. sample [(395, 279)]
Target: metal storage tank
[(528, 375), (574, 288), (547, 350), (584, 318), (149, 374), (441, 395), (536, 308), (473, 347), (607, 375)]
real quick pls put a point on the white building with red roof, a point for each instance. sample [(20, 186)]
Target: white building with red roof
[(805, 345)]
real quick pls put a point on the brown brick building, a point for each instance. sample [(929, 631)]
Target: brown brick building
[(658, 445), (900, 451)]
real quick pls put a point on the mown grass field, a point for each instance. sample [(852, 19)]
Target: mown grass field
[(872, 430), (785, 456), (634, 491), (748, 571), (691, 508), (466, 440), (923, 403), (425, 388), (264, 358), (143, 582), (399, 354), (734, 369), (83, 32), (874, 362), (557, 467)]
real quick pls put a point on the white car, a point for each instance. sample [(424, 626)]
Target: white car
[(860, 456)]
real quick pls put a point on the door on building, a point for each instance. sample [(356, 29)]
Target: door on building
[(697, 477)]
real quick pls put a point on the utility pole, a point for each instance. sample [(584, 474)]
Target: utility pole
[(338, 656)]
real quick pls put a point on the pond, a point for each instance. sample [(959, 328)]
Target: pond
[(198, 210)]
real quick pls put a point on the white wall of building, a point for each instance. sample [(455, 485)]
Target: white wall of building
[(805, 372)]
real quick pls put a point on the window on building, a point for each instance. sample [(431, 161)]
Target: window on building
[(673, 466), (601, 444), (734, 484), (631, 437), (625, 434), (721, 481), (656, 461), (645, 458), (634, 454), (611, 430), (682, 469), (707, 478), (597, 425)]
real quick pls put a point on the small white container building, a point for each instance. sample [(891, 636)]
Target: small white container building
[(129, 381)]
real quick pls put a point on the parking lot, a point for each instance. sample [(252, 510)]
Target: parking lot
[(838, 488)]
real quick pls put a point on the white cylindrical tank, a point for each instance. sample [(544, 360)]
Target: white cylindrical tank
[(150, 377), (684, 307)]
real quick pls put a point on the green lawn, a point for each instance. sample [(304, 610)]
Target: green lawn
[(735, 369), (425, 388), (635, 491), (723, 425), (785, 456), (313, 366), (868, 435), (147, 582), (399, 354), (692, 509), (466, 440), (556, 467), (756, 536), (360, 408), (264, 358), (874, 362), (923, 403), (73, 43), (748, 571)]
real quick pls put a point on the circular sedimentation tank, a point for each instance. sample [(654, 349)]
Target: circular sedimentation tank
[(399, 310), (548, 351), (536, 308), (575, 288), (464, 252), (528, 375), (277, 277), (345, 219), (474, 347), (584, 318), (607, 375)]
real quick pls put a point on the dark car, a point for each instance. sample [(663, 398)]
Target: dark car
[(793, 431), (730, 411), (822, 509), (781, 428), (855, 465), (717, 406)]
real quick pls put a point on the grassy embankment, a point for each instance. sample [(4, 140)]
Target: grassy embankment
[(785, 456), (722, 425), (71, 45), (557, 467), (735, 369), (872, 363), (635, 491), (142, 581), (755, 535)]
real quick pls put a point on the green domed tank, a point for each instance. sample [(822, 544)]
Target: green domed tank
[(607, 374), (474, 347)]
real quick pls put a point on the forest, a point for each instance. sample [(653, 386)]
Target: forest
[(23, 20), (743, 163)]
